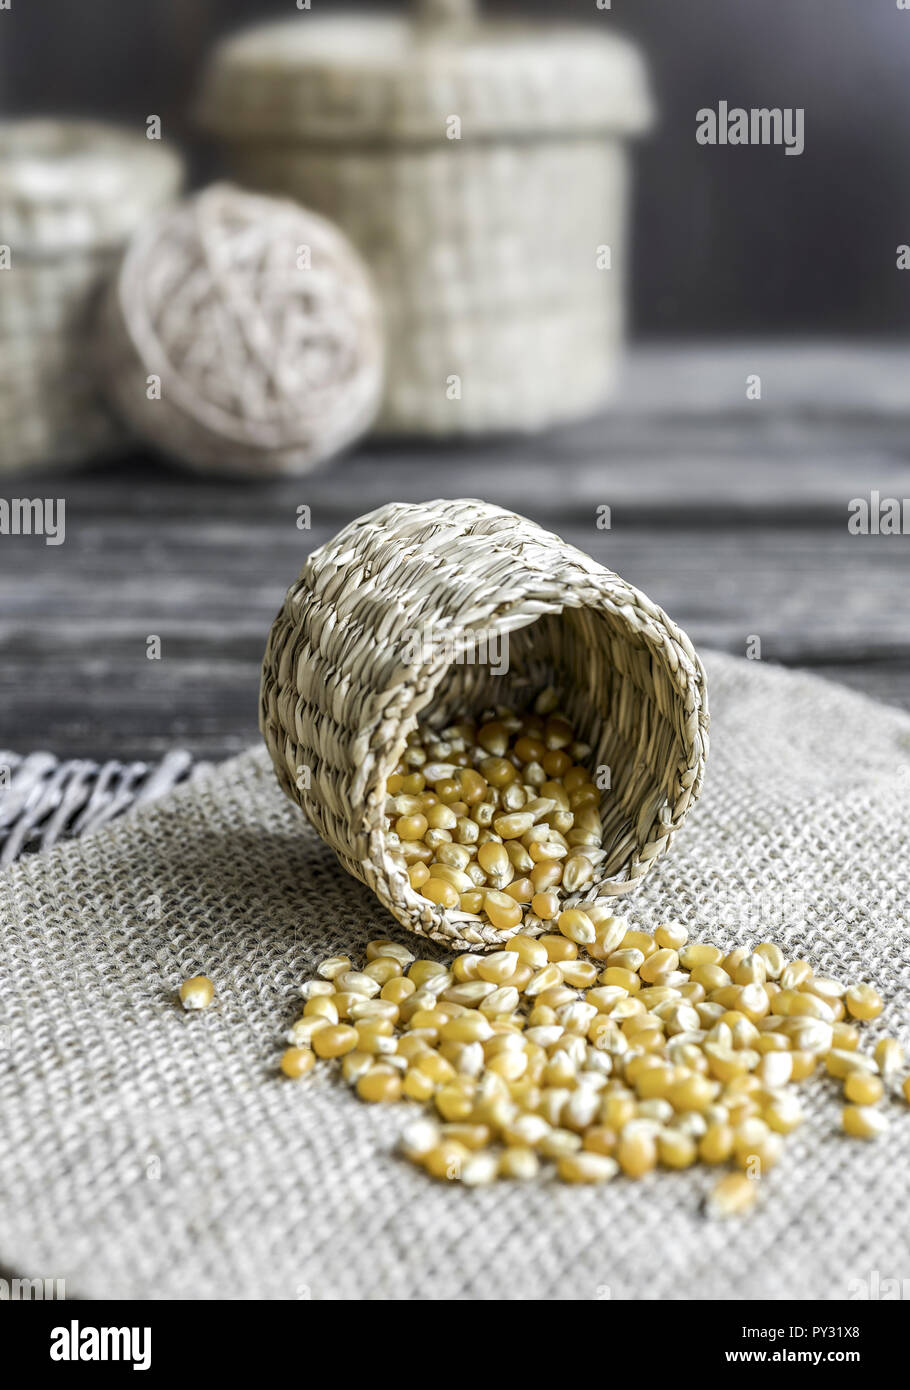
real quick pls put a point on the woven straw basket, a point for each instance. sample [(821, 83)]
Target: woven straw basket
[(483, 237), (71, 194), (341, 690)]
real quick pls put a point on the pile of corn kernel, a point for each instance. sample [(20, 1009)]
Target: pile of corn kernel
[(497, 819), (599, 1047)]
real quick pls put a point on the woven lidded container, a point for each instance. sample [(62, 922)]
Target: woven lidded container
[(71, 194), (486, 248), (341, 688)]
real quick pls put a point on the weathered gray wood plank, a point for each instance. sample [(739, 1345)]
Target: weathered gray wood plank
[(730, 514)]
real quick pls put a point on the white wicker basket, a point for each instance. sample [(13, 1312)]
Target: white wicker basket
[(71, 193), (340, 695), (485, 247)]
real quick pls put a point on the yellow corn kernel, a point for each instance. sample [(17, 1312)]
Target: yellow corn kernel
[(498, 968), (676, 1149), (396, 990), (889, 1055), (586, 1167), (320, 1007), (863, 1088), (803, 1063), (529, 950), (467, 1029), (672, 935), (600, 1139), (625, 979), (783, 1113), (863, 1002), (297, 1061), (438, 891), (863, 1122), (716, 1144), (636, 1152), (446, 1160), (454, 1102), (773, 958), (660, 963), (334, 1040), (692, 1093), (519, 1163), (502, 910), (845, 1037), (617, 1110), (544, 905), (411, 827), (576, 926), (580, 974), (196, 993), (435, 1067), (734, 1194), (416, 1085), (841, 1062), (697, 953), (711, 976)]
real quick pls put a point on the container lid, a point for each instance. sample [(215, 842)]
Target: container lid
[(70, 185), (380, 79)]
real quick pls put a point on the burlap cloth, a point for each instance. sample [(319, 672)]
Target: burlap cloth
[(149, 1153)]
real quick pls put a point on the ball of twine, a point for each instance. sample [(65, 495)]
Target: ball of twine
[(244, 336)]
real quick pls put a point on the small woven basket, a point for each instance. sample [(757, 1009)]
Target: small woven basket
[(341, 689), (479, 167), (71, 193)]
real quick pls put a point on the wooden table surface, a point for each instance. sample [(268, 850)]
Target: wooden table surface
[(730, 513)]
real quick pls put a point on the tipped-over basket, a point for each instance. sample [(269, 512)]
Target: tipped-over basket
[(428, 613)]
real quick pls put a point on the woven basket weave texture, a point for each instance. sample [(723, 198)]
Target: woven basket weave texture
[(181, 1164), (341, 688), (71, 193), (484, 246)]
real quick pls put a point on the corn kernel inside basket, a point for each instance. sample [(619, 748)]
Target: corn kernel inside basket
[(498, 817)]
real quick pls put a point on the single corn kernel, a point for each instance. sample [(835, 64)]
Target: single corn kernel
[(671, 935), (586, 1167), (863, 1002), (841, 1063), (296, 1061), (494, 860), (625, 979), (636, 1152), (411, 827), (676, 1149), (889, 1055), (576, 926), (438, 891), (197, 993), (735, 1194), (519, 1163), (379, 1085), (660, 963), (862, 1122), (863, 1088), (716, 1144), (544, 905), (334, 1040), (320, 1007), (504, 912), (446, 1160), (529, 950)]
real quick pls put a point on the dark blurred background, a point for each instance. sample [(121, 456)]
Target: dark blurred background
[(743, 241)]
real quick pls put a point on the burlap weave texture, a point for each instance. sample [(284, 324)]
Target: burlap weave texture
[(149, 1153)]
